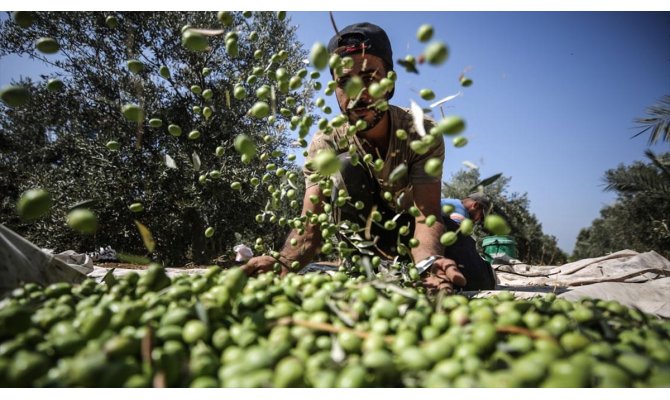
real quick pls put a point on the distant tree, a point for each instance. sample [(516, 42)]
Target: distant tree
[(640, 217), (57, 141), (533, 246), (657, 121)]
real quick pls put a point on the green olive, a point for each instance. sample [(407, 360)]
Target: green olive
[(136, 207), (111, 22), (164, 71), (496, 225), (194, 41), (82, 220), (427, 94), (24, 19), (436, 53), (225, 17), (55, 85), (15, 96), (433, 167), (33, 204), (113, 145), (319, 56), (260, 110), (47, 45), (245, 145), (133, 112), (459, 141), (135, 66), (174, 130), (424, 33), (448, 238)]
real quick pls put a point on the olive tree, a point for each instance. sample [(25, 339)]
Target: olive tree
[(533, 245), (178, 161)]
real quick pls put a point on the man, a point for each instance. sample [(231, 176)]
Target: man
[(390, 183), (478, 273), (475, 207)]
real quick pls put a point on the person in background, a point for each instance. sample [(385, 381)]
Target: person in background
[(477, 271), (475, 206)]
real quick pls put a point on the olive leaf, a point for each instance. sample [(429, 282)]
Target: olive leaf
[(470, 164), (486, 182), (196, 161), (147, 238), (169, 162), (133, 259), (417, 117), (446, 99)]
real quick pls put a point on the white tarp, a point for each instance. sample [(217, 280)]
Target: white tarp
[(21, 262), (640, 280)]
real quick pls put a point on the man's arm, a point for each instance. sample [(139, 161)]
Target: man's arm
[(444, 272), (307, 244), (427, 200)]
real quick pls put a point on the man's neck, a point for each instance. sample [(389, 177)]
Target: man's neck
[(378, 136)]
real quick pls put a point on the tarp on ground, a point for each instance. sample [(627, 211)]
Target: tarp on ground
[(640, 280)]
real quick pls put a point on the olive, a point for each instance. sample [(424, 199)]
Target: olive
[(47, 45), (82, 220), (14, 95), (425, 33), (34, 203), (55, 85), (194, 41), (135, 66), (133, 112), (427, 94), (24, 19), (436, 53), (496, 225)]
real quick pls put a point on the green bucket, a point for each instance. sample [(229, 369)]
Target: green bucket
[(497, 246)]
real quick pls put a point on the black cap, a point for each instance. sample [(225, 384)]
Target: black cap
[(483, 201), (360, 37)]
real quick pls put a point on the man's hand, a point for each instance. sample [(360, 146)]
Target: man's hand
[(443, 276), (261, 264)]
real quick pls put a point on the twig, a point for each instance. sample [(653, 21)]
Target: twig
[(332, 21), (523, 331), (322, 326), (341, 315)]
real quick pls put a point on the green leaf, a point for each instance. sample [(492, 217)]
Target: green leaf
[(486, 182), (133, 259), (147, 238)]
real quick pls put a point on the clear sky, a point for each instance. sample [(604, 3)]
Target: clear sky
[(553, 99)]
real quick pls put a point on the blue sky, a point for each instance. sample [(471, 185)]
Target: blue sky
[(553, 99)]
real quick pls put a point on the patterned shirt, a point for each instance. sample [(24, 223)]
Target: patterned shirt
[(398, 153)]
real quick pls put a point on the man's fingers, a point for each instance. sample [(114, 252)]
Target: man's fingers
[(455, 276), (248, 269)]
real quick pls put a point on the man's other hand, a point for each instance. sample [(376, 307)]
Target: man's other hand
[(261, 264), (443, 276)]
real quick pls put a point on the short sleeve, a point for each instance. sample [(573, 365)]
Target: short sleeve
[(319, 142), (417, 172)]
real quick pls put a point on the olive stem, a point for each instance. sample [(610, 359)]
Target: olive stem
[(321, 326), (522, 331)]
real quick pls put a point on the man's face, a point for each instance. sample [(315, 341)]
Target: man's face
[(370, 69), (474, 209)]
